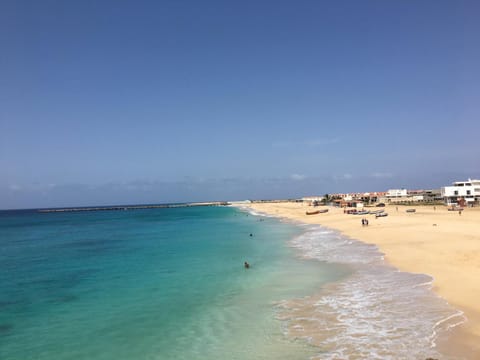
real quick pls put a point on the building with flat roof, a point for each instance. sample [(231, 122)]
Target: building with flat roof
[(462, 193), (396, 193)]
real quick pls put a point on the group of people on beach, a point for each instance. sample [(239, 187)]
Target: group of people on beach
[(364, 222)]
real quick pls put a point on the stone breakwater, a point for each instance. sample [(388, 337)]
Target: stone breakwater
[(132, 207)]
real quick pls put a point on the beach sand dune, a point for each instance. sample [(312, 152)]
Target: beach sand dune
[(443, 244)]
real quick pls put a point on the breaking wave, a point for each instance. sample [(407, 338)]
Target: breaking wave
[(378, 312)]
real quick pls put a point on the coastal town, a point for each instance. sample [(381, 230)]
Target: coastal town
[(459, 194)]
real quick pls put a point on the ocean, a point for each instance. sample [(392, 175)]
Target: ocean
[(170, 284)]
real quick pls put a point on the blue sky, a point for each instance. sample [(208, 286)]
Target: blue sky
[(109, 102)]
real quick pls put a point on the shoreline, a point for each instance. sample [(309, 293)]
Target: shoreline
[(432, 241)]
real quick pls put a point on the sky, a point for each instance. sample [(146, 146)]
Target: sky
[(125, 102)]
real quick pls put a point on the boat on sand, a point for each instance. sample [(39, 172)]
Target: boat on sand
[(314, 212)]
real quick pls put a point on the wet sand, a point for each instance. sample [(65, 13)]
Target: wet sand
[(434, 241)]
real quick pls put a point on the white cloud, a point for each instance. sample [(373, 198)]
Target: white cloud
[(297, 177)]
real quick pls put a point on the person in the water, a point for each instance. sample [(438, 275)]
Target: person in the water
[(247, 265)]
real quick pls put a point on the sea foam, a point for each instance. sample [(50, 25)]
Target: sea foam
[(378, 312)]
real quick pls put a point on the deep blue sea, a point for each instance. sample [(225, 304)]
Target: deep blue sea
[(170, 284)]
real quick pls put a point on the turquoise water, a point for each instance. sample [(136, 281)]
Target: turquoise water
[(150, 284)]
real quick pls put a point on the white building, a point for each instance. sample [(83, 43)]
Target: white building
[(417, 197), (313, 199), (467, 192), (395, 193)]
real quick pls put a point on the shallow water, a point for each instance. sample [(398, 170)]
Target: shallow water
[(377, 313)]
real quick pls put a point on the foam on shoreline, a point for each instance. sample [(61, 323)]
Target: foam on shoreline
[(378, 312)]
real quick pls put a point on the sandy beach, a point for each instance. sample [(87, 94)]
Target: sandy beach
[(443, 244)]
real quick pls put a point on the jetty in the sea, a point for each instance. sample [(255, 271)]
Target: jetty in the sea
[(133, 207)]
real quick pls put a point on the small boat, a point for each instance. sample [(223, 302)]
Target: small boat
[(410, 210), (363, 212), (314, 212), (376, 212), (455, 209), (383, 214)]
